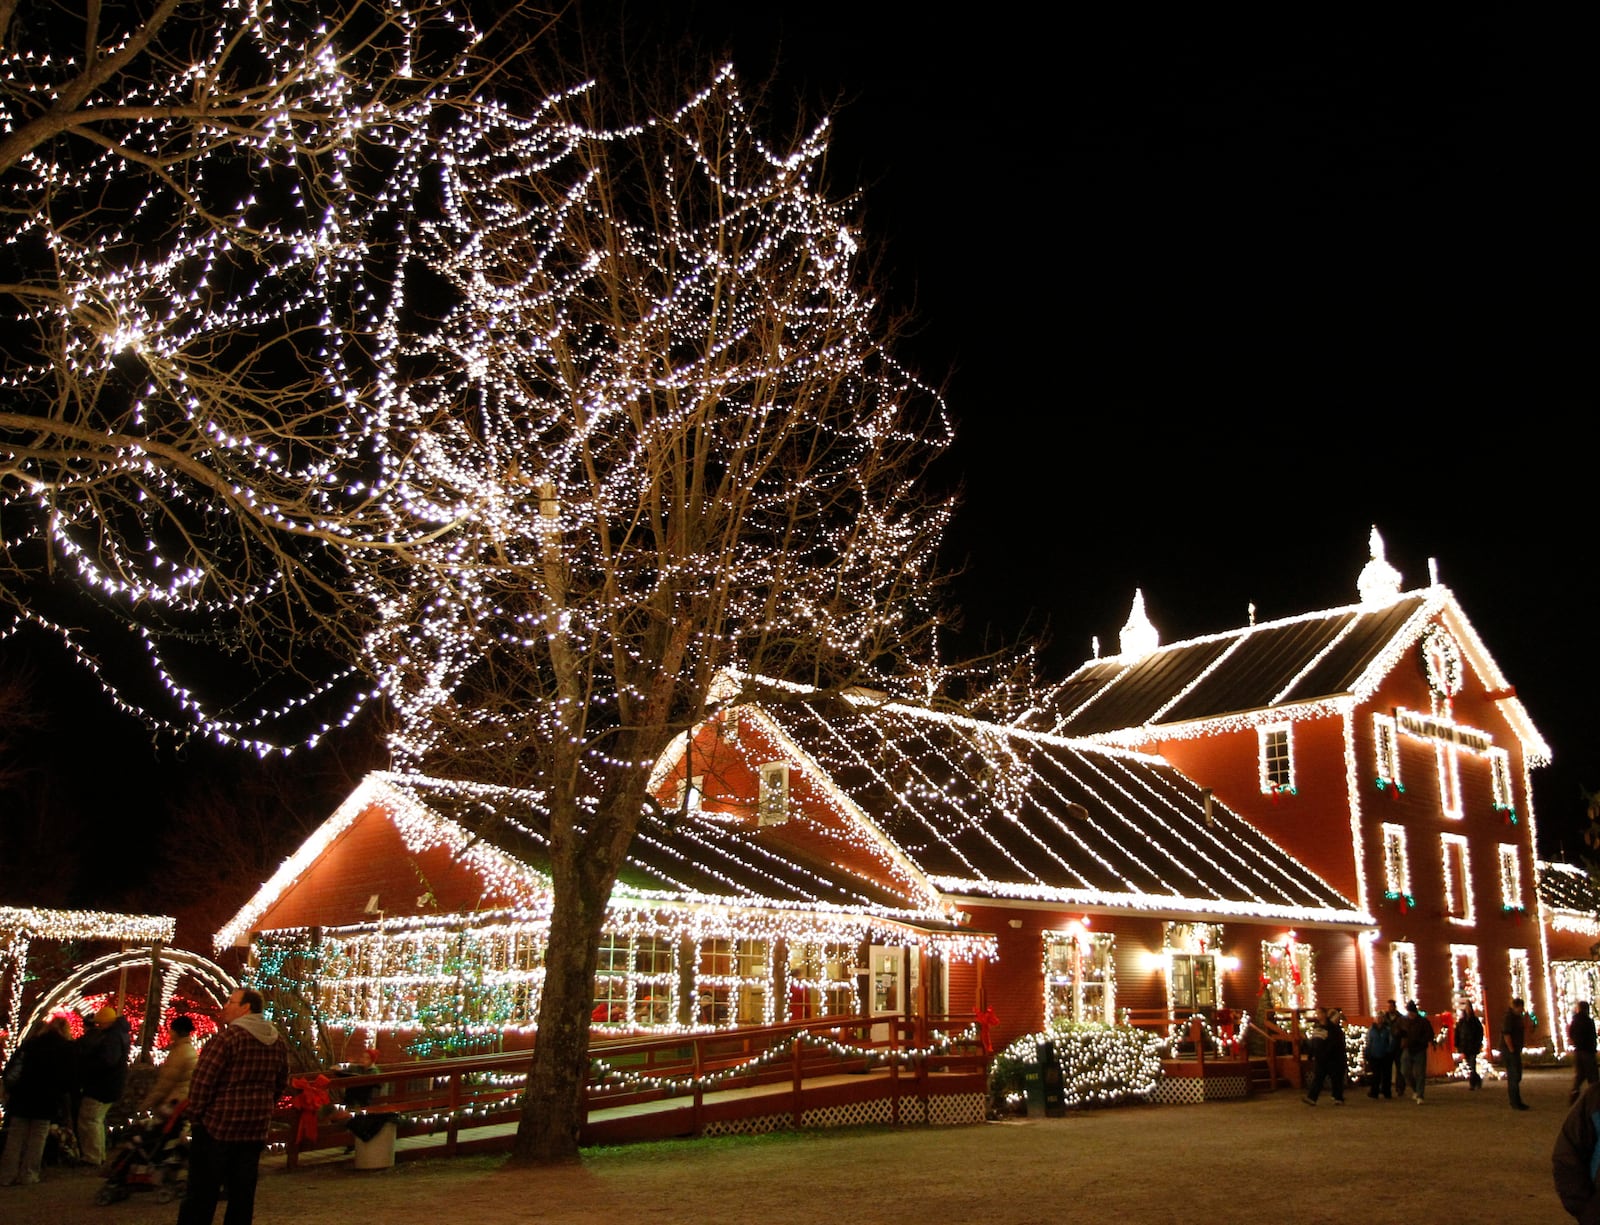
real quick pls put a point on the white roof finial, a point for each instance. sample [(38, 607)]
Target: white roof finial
[(1379, 582), (1139, 637)]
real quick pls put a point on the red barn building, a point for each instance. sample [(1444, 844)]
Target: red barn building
[(1379, 744)]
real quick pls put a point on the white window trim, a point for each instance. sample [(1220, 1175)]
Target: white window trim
[(1263, 737), (1449, 762), (1521, 976), (1386, 745), (1500, 777), (1473, 988), (1402, 887), (1468, 914), (1403, 965), (1510, 876)]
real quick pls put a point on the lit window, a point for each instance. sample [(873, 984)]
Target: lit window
[(732, 983), (1080, 980), (1465, 984), (1396, 867), (1449, 779), (1404, 963), (1510, 877), (636, 981), (1386, 748), (819, 980), (1277, 768), (1457, 879), (1521, 980), (1500, 773), (773, 800), (1289, 968)]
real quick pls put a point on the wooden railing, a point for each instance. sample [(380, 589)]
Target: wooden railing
[(453, 1096)]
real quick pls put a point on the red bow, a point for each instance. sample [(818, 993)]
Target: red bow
[(986, 1018), (310, 1096)]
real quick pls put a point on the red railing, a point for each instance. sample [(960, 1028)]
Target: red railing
[(468, 1094)]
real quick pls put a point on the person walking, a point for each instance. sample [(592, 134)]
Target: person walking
[(1581, 1037), (36, 1100), (1378, 1051), (239, 1077), (1331, 1059), (102, 1055), (1512, 1037), (1469, 1042), (1418, 1032), (1397, 1046)]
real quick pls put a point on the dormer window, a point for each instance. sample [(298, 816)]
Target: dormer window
[(1277, 765), (772, 803)]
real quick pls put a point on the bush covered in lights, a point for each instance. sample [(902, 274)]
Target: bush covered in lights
[(1101, 1065)]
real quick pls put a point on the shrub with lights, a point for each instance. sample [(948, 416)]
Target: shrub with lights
[(1101, 1065)]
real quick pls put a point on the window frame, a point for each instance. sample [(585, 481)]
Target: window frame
[(1396, 879), (1458, 911), (1386, 751), (1276, 769)]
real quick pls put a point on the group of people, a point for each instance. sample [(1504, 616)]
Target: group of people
[(228, 1090), (46, 1073), (1396, 1051)]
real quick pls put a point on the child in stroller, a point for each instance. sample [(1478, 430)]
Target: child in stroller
[(154, 1158)]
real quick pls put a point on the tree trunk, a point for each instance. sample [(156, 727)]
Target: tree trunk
[(552, 1109)]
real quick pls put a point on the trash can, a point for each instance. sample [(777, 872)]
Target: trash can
[(1052, 1083), (374, 1137)]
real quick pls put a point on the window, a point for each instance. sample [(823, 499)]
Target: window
[(732, 983), (772, 803), (1510, 877), (1465, 983), (1457, 881), (1386, 749), (1500, 774), (636, 981), (1396, 866), (1449, 779), (1277, 768), (1080, 977), (1403, 958), (1291, 977), (1521, 980), (820, 982), (688, 796), (1192, 983)]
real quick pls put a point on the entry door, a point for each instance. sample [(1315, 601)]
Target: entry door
[(1194, 983)]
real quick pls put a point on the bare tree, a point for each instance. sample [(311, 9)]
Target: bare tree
[(205, 207), (565, 427), (666, 454)]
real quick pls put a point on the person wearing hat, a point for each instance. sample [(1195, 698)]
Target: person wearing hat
[(102, 1055)]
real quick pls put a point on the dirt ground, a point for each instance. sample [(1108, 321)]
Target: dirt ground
[(1462, 1157)]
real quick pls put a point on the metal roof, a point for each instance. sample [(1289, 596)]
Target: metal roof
[(995, 812)]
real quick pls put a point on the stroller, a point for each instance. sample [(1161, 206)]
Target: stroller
[(154, 1158)]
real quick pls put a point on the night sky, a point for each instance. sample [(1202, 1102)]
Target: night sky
[(1209, 298)]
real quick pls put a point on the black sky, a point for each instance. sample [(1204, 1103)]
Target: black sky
[(1212, 295)]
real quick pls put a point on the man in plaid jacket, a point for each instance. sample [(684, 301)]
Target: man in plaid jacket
[(241, 1074)]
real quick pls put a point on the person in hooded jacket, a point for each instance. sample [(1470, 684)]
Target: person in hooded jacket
[(36, 1101), (238, 1079), (1576, 1158), (102, 1055)]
